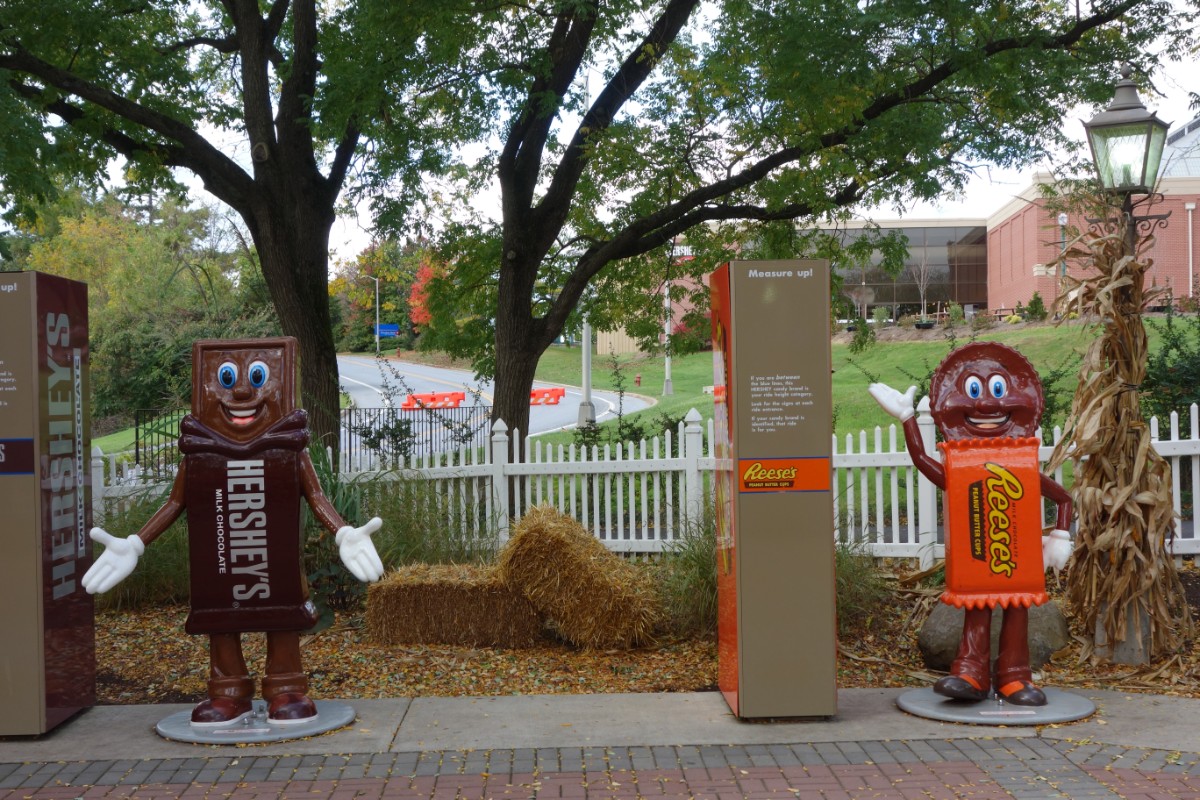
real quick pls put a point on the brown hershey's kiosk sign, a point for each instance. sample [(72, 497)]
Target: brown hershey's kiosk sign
[(775, 549), (47, 623)]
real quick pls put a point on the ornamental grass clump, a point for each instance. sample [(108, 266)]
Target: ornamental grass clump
[(591, 597), (460, 604)]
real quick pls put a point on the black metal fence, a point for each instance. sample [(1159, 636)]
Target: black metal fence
[(386, 437), (156, 439), (371, 437)]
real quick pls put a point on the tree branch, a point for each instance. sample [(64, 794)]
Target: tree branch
[(121, 142), (632, 73), (222, 176), (256, 82), (299, 87), (226, 44), (275, 18), (953, 64), (521, 158), (342, 156)]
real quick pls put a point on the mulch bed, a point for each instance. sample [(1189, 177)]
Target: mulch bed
[(143, 656)]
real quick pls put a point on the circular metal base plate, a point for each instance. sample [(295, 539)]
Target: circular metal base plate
[(256, 728), (1060, 707)]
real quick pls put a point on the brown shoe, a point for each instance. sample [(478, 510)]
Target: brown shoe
[(220, 712), (1022, 693), (960, 687), (291, 708)]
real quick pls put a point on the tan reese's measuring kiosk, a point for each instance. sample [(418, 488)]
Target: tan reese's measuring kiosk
[(47, 639), (773, 409)]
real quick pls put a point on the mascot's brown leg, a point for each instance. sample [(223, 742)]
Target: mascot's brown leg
[(1014, 678), (285, 687), (968, 678), (230, 687)]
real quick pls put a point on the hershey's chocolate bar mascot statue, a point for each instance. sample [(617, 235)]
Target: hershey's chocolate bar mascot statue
[(244, 471)]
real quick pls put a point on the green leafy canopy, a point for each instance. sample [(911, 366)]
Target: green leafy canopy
[(610, 131)]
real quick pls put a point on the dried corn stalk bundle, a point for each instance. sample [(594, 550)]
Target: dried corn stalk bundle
[(450, 604), (1121, 571), (592, 597)]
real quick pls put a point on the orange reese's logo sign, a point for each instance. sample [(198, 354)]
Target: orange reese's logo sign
[(804, 474), (757, 472), (991, 521)]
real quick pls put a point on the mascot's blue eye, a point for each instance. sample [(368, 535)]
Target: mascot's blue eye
[(258, 374), (227, 374), (998, 386), (973, 387)]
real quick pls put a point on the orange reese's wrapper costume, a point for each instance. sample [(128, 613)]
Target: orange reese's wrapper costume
[(994, 523)]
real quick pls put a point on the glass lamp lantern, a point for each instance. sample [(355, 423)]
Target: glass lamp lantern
[(1127, 141)]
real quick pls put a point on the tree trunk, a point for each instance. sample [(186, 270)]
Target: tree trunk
[(520, 336), (516, 363), (292, 239)]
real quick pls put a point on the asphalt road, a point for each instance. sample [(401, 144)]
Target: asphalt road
[(371, 387)]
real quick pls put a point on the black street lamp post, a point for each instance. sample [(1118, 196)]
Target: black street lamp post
[(1127, 145)]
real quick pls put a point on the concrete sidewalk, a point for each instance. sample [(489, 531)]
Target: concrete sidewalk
[(632, 745)]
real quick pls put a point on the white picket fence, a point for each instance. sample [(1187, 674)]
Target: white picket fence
[(640, 497)]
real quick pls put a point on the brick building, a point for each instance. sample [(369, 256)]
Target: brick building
[(1024, 235)]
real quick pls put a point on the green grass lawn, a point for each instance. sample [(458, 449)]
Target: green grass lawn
[(115, 442), (903, 364), (900, 364)]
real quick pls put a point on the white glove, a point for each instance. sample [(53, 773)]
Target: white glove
[(898, 405), (1056, 549), (358, 551), (119, 558)]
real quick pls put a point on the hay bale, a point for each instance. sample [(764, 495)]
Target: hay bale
[(450, 604), (591, 596)]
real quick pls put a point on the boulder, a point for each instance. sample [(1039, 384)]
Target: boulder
[(939, 636)]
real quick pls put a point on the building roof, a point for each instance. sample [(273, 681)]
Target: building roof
[(1181, 156)]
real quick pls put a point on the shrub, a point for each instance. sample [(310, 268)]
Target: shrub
[(864, 336), (881, 316), (1036, 310), (687, 575), (1173, 371), (161, 576), (981, 322), (1058, 390), (688, 582), (861, 587), (332, 586), (424, 523)]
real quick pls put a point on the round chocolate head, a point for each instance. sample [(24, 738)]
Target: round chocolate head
[(985, 389), (242, 387)]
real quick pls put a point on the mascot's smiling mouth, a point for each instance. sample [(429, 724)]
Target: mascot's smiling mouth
[(989, 422), (241, 416)]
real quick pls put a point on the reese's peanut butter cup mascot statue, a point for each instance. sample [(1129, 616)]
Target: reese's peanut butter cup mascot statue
[(244, 471), (986, 400)]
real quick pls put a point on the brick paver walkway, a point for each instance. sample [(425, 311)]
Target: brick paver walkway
[(984, 769)]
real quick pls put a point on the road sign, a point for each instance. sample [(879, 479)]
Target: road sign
[(389, 330)]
